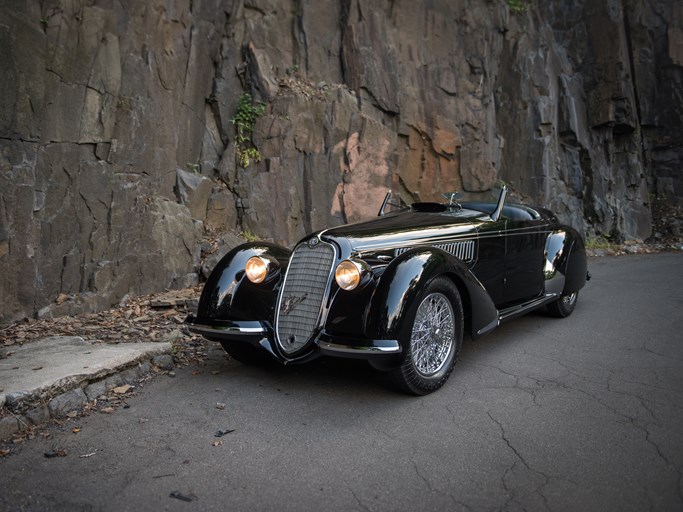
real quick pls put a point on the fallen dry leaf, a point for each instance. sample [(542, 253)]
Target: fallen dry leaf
[(120, 390), (107, 410), (76, 430)]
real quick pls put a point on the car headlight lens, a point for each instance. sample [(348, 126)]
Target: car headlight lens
[(256, 269), (349, 274)]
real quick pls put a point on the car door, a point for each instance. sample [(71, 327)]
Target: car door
[(524, 256), (490, 264)]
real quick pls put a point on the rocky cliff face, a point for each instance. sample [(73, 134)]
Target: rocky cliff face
[(118, 154)]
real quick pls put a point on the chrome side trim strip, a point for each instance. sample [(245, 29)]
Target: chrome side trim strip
[(506, 314)]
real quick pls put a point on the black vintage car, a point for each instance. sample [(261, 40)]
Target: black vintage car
[(398, 290)]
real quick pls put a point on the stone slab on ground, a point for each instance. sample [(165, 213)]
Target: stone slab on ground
[(48, 367)]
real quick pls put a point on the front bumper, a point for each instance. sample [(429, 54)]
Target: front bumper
[(218, 330), (261, 335)]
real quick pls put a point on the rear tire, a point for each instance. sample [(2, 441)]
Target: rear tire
[(434, 339), (245, 354), (564, 306)]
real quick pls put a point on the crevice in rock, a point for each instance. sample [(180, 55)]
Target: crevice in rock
[(300, 33)]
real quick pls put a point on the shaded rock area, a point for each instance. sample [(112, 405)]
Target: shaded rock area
[(118, 158)]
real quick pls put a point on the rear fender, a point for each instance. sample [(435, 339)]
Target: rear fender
[(576, 265), (229, 295), (395, 296)]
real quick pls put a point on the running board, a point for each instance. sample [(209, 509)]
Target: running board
[(515, 311)]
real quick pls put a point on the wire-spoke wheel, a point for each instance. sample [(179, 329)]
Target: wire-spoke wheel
[(434, 340), (563, 306)]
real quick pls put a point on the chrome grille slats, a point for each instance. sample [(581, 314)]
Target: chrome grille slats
[(463, 250), (303, 294)]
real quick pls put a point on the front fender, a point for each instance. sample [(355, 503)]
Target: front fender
[(228, 294), (566, 264), (396, 293)]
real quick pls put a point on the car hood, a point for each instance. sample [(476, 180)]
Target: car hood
[(405, 229)]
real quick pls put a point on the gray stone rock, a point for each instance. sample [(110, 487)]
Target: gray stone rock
[(194, 191), (174, 234), (38, 415), (8, 426), (261, 71), (144, 368), (14, 399), (130, 376), (675, 227), (112, 382), (69, 401), (225, 244), (221, 211), (186, 281), (164, 361), (95, 389)]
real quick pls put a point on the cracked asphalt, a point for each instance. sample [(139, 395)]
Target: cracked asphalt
[(584, 413)]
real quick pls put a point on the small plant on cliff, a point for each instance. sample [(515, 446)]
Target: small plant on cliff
[(244, 122), (250, 237), (519, 6)]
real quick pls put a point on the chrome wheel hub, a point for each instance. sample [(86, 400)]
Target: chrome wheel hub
[(569, 299), (431, 340)]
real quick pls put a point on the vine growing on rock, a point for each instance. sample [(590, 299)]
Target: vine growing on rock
[(244, 121)]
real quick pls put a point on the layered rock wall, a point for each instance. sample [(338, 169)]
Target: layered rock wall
[(117, 146)]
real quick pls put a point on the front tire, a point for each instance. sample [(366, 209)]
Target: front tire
[(564, 306), (433, 340)]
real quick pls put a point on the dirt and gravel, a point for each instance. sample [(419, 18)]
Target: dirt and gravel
[(156, 317)]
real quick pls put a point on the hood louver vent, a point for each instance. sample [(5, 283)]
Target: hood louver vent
[(462, 250)]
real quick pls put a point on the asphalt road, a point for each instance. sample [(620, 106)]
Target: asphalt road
[(584, 413)]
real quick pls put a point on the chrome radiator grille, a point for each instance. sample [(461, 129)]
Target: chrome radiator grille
[(303, 294)]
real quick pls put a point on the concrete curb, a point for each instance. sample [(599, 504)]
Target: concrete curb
[(49, 378)]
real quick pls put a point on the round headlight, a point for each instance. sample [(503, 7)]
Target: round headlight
[(256, 269), (348, 274)]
